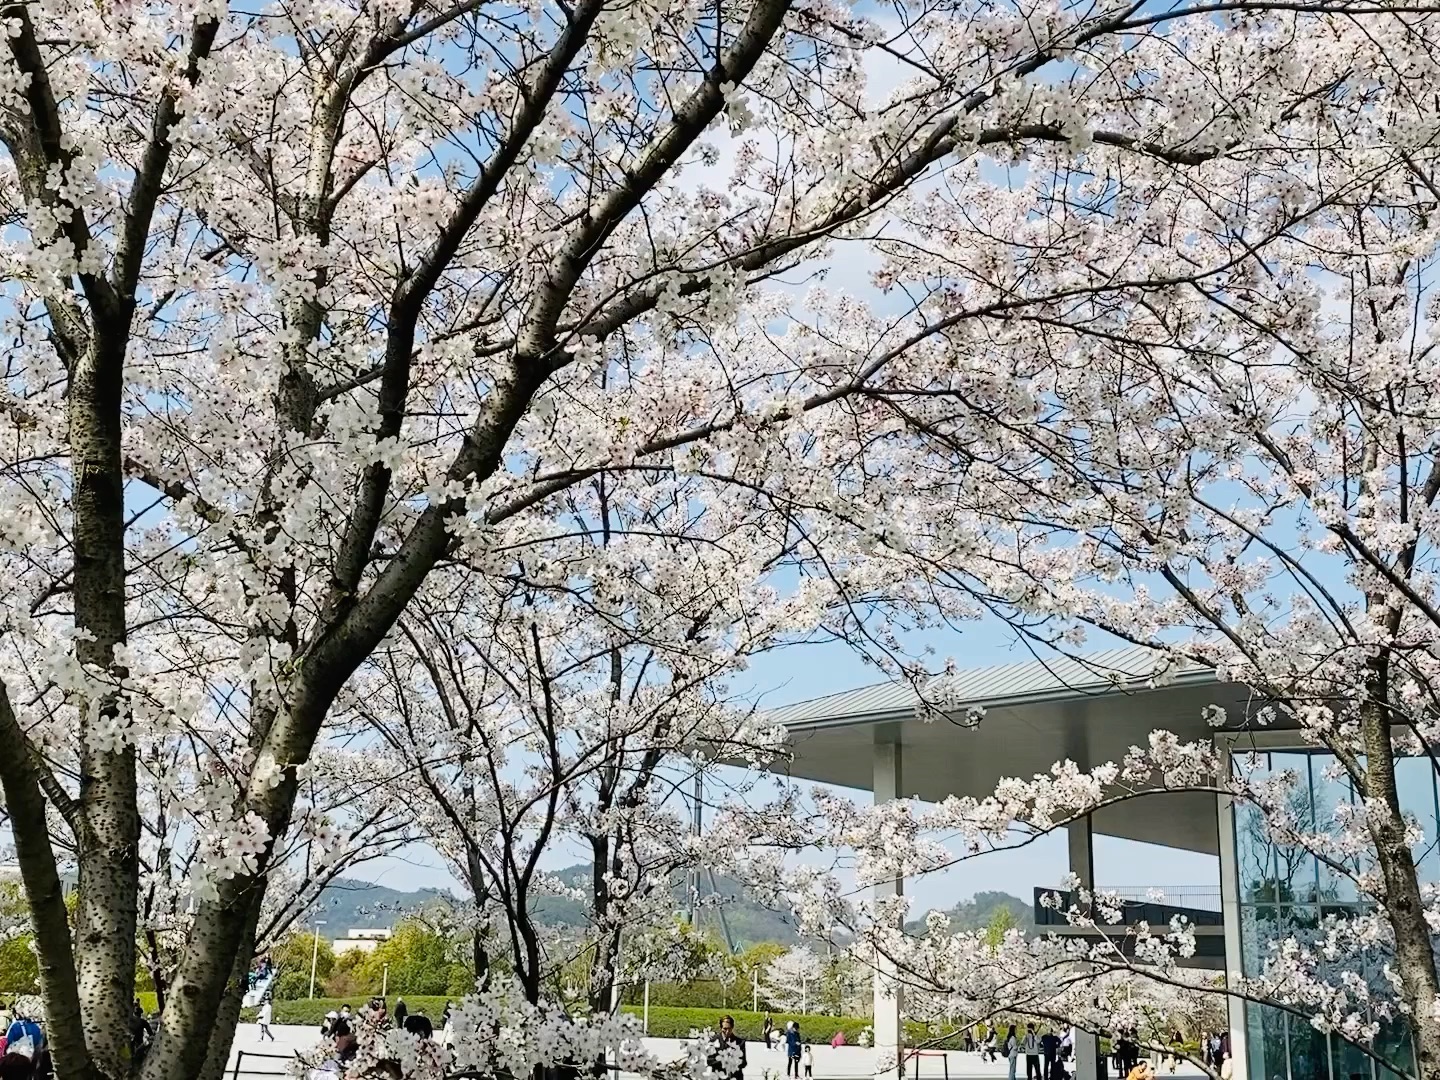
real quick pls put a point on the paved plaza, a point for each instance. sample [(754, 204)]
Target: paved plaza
[(255, 1059)]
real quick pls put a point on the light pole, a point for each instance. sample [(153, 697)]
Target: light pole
[(385, 980), (315, 956)]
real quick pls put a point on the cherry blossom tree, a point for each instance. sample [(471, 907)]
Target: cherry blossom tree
[(1237, 469), (307, 300), (793, 979), (343, 819), (563, 708)]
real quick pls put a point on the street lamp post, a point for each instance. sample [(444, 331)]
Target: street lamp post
[(385, 980), (315, 956)]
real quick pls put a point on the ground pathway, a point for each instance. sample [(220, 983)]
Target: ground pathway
[(255, 1058)]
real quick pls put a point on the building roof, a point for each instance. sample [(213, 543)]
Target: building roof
[(1052, 678), (1089, 709)]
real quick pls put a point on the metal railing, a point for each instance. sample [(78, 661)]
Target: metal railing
[(1147, 910), (1201, 897), (283, 1069)]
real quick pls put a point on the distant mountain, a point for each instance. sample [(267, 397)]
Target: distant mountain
[(977, 912), (749, 922), (348, 904)]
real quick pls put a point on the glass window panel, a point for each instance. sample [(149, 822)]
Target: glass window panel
[(1393, 1044), (1415, 783), (1309, 1051), (1333, 789), (1273, 1061), (1348, 1062), (1254, 856), (1259, 925), (1295, 868), (1254, 853), (1255, 1042)]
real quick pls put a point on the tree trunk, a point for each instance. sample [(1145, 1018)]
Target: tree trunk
[(607, 944), (475, 868), (1414, 952), (45, 898), (109, 834), (222, 1037), (219, 945)]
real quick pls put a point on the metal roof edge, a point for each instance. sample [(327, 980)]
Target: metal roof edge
[(1199, 676)]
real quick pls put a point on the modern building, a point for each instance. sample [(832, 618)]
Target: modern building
[(1092, 710), (360, 940)]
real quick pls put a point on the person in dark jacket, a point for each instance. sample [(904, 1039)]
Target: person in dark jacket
[(1050, 1050), (792, 1049), (400, 1012), (140, 1033), (728, 1041)]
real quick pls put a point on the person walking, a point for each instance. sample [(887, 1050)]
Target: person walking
[(767, 1029), (1012, 1049), (807, 1059), (400, 1013), (987, 1048), (267, 1013), (1177, 1051), (140, 1034), (1050, 1050), (792, 1049), (1032, 1053), (727, 1044), (1129, 1053)]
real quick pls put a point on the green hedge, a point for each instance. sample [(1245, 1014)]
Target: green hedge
[(667, 1022), (309, 1013), (672, 1023)]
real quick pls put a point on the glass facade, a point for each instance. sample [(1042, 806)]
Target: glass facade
[(1287, 891)]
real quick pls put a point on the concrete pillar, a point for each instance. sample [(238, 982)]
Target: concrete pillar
[(889, 995), (1230, 912), (1082, 864)]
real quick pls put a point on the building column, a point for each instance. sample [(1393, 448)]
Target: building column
[(1082, 864), (889, 995), (1230, 913)]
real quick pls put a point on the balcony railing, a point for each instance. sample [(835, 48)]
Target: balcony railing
[(1201, 907)]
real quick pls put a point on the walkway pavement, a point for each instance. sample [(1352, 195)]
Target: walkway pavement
[(258, 1059)]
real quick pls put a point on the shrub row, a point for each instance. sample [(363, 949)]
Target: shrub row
[(672, 1023), (668, 1022), (308, 1012)]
